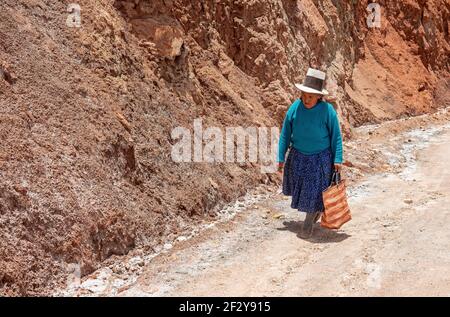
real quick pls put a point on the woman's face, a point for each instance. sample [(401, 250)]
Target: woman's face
[(309, 99)]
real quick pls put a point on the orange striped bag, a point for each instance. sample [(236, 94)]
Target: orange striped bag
[(337, 211)]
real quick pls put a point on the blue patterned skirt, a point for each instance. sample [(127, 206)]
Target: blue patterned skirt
[(305, 177)]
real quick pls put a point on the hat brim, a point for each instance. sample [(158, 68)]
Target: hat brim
[(324, 92)]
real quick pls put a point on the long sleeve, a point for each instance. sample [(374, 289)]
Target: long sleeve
[(335, 135), (286, 133)]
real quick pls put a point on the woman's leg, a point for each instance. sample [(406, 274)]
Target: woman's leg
[(317, 216), (310, 219)]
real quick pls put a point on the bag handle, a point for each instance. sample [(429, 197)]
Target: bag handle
[(336, 177)]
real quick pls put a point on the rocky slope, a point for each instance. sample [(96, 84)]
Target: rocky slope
[(86, 114)]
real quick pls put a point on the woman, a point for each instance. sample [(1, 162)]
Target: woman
[(311, 131)]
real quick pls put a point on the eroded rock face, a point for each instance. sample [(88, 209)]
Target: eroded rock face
[(276, 41), (87, 113), (166, 39)]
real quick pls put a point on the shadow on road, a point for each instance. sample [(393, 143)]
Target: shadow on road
[(320, 235)]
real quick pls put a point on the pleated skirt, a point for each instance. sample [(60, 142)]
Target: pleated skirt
[(305, 177)]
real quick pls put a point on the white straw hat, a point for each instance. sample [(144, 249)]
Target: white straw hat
[(314, 82)]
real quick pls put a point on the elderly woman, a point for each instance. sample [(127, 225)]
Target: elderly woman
[(311, 132)]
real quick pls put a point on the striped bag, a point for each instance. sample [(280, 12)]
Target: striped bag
[(337, 211)]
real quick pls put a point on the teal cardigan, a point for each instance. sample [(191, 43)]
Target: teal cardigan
[(311, 130)]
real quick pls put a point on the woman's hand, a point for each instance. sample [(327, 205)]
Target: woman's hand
[(337, 167), (280, 166)]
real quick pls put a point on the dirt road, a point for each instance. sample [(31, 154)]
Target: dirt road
[(398, 242)]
